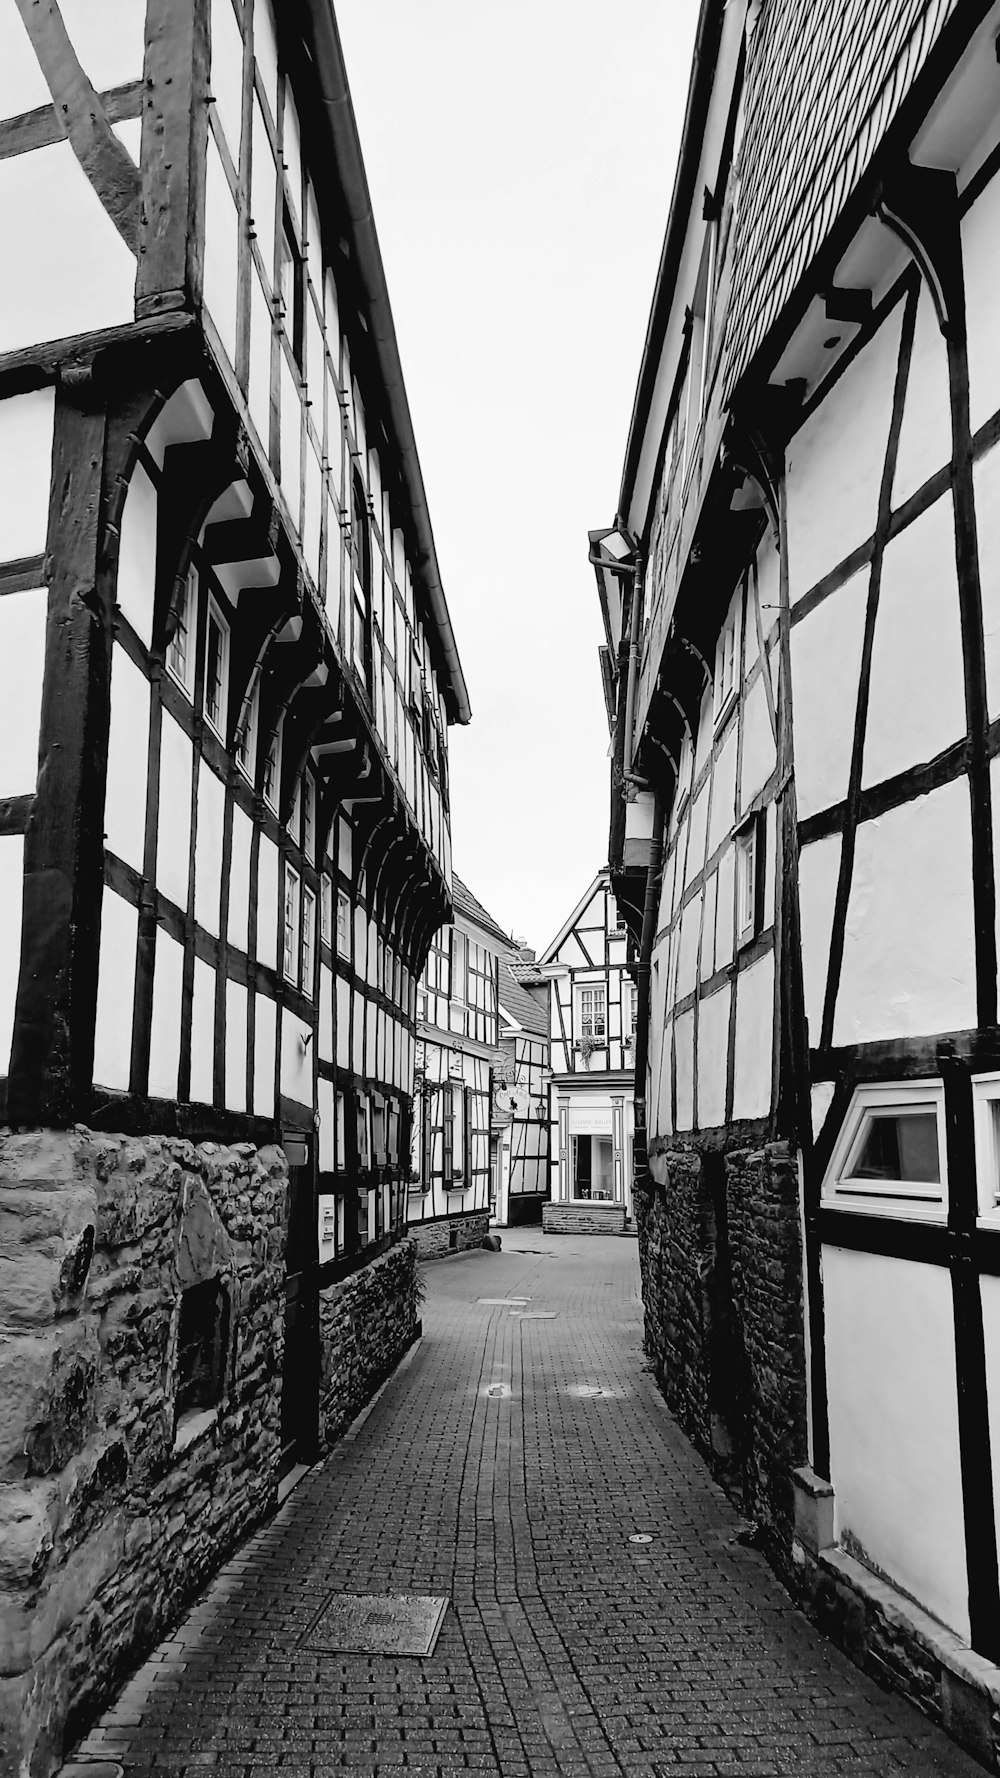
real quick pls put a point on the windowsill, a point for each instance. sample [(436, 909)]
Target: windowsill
[(891, 1209), (457, 1186), (190, 1427)]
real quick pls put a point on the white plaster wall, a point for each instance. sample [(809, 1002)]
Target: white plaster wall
[(826, 662), (208, 849), (990, 1289), (75, 272), (327, 1127), (107, 35), (202, 1034), (221, 252), (986, 482), (137, 555), (706, 960), (22, 666), (687, 966), (890, 1362), (357, 1032), (754, 1033), (259, 385), (723, 812), (821, 1098), (343, 1023), (165, 1034), (128, 748), (695, 860), (26, 425), (264, 1041), (713, 1047), (925, 435), (916, 705), (725, 909), (981, 252), (227, 74), (22, 83), (325, 1037), (296, 1062), (239, 879), (759, 752), (684, 1049), (819, 865), (267, 903), (908, 965), (11, 901), (834, 463), (237, 1008), (173, 844), (115, 989)]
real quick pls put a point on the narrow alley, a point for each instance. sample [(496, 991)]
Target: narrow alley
[(602, 1617)]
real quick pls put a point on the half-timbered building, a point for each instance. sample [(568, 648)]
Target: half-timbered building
[(802, 604), (520, 1152), (227, 671), (592, 1012), (448, 1203)]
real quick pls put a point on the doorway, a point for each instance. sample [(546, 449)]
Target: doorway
[(593, 1167), (300, 1358)]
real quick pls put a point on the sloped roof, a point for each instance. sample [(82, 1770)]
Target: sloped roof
[(801, 160), (470, 909), (600, 881), (521, 1006)]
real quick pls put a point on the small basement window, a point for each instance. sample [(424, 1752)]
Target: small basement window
[(202, 1343), (890, 1157)]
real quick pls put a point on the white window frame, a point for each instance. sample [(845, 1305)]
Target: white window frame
[(246, 740), (271, 778), (748, 865), (326, 912), (182, 672), (217, 723), (291, 926), (727, 663), (308, 924), (592, 988), (986, 1124), (344, 923), (309, 818), (908, 1200)]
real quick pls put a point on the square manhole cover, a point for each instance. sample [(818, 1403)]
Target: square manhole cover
[(377, 1624)]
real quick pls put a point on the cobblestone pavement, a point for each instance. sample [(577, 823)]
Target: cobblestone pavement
[(566, 1649)]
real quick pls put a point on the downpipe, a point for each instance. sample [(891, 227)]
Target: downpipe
[(654, 872)]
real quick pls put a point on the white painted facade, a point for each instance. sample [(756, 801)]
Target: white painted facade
[(591, 1025), (813, 489)]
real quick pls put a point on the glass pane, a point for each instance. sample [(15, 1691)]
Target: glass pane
[(900, 1145)]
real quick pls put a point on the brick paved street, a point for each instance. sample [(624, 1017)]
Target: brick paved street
[(566, 1648)]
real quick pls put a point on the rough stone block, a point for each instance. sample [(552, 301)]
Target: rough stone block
[(814, 1508)]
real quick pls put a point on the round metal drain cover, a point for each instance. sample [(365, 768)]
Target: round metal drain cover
[(640, 1537)]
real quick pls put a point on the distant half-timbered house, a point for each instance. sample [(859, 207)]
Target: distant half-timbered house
[(520, 1158), (227, 671), (802, 605), (591, 1025), (448, 1203)]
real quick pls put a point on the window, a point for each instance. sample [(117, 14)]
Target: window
[(326, 911), (592, 1013), (202, 1339), (343, 923), (453, 1120), (216, 669), (890, 1156), (294, 824), (246, 738), (309, 817), (180, 648), (272, 770), (361, 575), (308, 939), (727, 661), (631, 1012), (459, 966), (749, 881), (290, 928), (290, 289), (986, 1116)]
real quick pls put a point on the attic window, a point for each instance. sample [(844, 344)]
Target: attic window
[(202, 1340)]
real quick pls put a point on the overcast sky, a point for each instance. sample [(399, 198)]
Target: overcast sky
[(520, 155)]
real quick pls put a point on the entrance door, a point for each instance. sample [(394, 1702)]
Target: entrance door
[(300, 1362)]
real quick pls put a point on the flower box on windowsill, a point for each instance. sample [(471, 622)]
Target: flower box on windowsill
[(457, 1185)]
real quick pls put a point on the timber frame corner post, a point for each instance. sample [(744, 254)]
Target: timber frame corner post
[(174, 156)]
